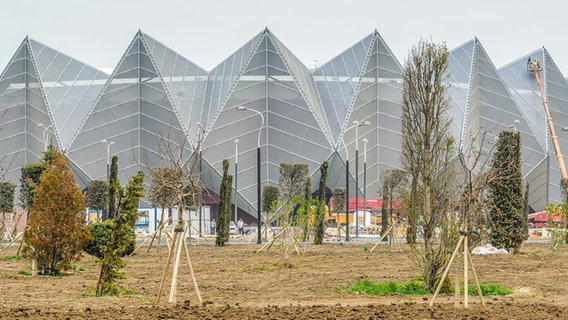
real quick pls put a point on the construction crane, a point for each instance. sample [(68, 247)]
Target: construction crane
[(535, 67)]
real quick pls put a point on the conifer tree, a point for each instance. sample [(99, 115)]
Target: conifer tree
[(56, 231), (270, 195), (114, 186), (506, 197), (29, 179), (224, 209), (7, 191), (304, 210), (121, 236), (97, 195), (320, 209)]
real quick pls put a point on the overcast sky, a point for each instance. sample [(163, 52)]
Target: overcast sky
[(97, 32)]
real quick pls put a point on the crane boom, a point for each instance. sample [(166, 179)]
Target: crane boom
[(559, 156)]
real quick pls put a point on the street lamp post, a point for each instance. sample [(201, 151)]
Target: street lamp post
[(365, 181), (357, 124), (44, 134), (514, 124), (108, 144), (236, 171), (242, 108)]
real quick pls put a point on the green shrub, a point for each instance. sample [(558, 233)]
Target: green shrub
[(11, 258), (411, 287), (489, 289), (100, 232), (447, 286)]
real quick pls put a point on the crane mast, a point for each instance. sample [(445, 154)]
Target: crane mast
[(559, 157)]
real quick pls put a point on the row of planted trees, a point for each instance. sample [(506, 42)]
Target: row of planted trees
[(290, 205)]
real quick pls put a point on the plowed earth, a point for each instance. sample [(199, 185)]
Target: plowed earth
[(238, 283)]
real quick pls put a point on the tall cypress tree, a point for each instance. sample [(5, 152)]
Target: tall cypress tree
[(114, 185), (507, 203), (305, 208), (121, 236), (224, 209), (320, 210), (384, 210)]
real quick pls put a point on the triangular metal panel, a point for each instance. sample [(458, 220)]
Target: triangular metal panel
[(13, 112), (378, 101), (289, 130), (524, 90), (222, 80), (497, 111), (337, 89), (135, 114), (538, 185), (26, 124), (185, 81), (459, 81), (71, 88), (305, 85)]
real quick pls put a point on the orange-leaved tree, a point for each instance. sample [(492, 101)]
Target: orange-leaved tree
[(56, 231)]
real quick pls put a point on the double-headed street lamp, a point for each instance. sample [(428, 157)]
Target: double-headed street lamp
[(108, 144), (242, 108), (356, 125)]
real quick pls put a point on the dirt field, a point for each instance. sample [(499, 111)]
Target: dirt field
[(237, 283)]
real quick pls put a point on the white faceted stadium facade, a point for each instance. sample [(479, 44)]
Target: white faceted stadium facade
[(292, 113)]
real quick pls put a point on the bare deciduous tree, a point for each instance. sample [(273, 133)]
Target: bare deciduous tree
[(474, 178), (183, 179), (392, 181), (178, 177), (427, 152)]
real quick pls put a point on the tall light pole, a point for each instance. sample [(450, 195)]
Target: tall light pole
[(108, 144), (514, 124), (357, 124), (44, 134), (242, 108), (236, 171), (365, 140)]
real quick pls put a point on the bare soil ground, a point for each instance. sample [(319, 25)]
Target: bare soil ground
[(237, 283)]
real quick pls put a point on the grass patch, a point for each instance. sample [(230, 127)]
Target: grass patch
[(11, 258), (366, 249), (411, 287), (128, 293), (24, 273), (489, 289), (416, 287)]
